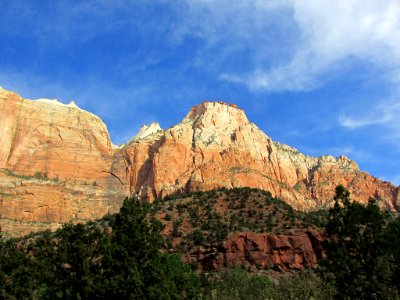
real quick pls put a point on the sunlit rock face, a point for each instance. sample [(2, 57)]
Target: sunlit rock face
[(58, 163), (215, 145)]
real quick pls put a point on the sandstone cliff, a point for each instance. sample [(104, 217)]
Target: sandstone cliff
[(55, 161), (215, 145), (58, 163)]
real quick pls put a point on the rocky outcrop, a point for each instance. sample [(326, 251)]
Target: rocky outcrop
[(215, 145), (293, 250)]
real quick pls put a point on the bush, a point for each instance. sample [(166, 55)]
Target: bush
[(238, 284), (304, 285)]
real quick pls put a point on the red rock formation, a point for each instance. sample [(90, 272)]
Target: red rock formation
[(214, 146), (55, 163), (50, 137), (293, 250)]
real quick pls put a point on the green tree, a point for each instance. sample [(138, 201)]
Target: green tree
[(117, 257), (361, 250), (134, 267), (238, 284)]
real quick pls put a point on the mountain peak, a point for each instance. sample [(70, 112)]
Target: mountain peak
[(216, 114), (147, 130)]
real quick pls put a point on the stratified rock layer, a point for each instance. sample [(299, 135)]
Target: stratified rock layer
[(56, 161), (64, 159)]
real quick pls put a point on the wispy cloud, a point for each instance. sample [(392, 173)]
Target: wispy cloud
[(302, 45), (386, 116), (377, 116), (291, 44), (324, 36)]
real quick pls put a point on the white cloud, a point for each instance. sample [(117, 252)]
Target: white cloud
[(385, 114), (292, 44), (331, 32), (379, 117), (299, 45)]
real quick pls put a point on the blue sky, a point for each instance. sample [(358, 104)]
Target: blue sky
[(322, 76)]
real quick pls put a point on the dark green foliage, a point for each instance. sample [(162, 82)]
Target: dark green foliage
[(304, 285), (175, 228), (235, 284), (194, 216), (210, 216), (363, 249), (218, 231), (317, 218), (238, 284), (198, 237), (117, 257), (37, 176)]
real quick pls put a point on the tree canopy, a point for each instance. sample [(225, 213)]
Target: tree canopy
[(362, 249), (116, 258)]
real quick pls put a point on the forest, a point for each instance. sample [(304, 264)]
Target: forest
[(129, 255)]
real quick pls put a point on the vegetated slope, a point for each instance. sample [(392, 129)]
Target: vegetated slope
[(124, 255), (119, 256), (214, 146), (116, 257), (241, 226)]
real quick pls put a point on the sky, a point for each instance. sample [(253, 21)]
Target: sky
[(322, 76)]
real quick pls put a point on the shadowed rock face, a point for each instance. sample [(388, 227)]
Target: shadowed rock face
[(214, 146), (296, 249)]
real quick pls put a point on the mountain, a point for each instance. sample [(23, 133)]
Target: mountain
[(58, 164), (55, 161)]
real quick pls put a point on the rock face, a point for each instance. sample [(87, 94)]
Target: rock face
[(46, 136), (31, 204), (215, 145), (59, 151), (55, 161), (293, 250), (146, 131)]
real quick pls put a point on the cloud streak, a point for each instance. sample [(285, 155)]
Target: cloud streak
[(323, 36), (379, 117)]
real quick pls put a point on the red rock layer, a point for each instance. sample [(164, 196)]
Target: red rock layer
[(293, 250)]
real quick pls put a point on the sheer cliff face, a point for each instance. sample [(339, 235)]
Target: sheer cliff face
[(55, 163), (215, 145), (47, 136)]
